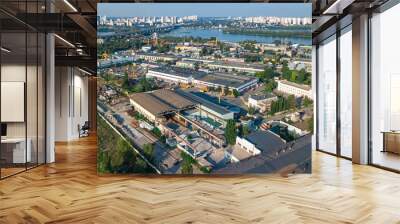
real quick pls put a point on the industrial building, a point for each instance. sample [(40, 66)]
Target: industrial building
[(208, 108), (224, 80), (200, 78), (157, 57), (294, 89), (260, 141), (175, 75), (261, 102), (234, 66), (187, 64), (184, 108), (156, 104)]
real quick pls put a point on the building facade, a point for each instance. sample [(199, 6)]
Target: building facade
[(294, 89), (261, 102), (157, 57), (169, 77)]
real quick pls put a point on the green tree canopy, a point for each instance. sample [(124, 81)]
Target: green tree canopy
[(235, 93), (270, 86), (148, 150), (230, 132), (187, 163)]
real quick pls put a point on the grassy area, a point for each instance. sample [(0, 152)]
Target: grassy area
[(115, 155)]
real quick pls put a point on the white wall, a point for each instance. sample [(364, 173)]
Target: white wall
[(33, 126), (247, 146), (12, 73), (71, 103), (16, 73)]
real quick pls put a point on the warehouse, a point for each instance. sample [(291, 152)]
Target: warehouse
[(156, 104), (207, 108), (175, 75), (224, 80), (240, 83), (235, 66)]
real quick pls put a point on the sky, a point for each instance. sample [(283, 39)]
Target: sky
[(204, 9)]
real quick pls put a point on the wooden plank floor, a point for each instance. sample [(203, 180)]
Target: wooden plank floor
[(70, 191)]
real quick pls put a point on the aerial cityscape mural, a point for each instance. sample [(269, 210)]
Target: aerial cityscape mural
[(211, 89)]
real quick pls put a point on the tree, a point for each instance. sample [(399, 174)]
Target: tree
[(116, 154), (286, 72), (205, 169), (125, 81), (163, 139), (107, 76), (310, 124), (283, 104), (266, 75), (144, 85), (235, 93), (156, 132), (307, 101), (138, 116), (230, 132), (148, 150), (252, 58), (269, 73), (251, 110), (244, 130), (162, 48), (291, 102), (270, 86), (260, 75), (301, 77), (186, 168), (187, 164), (293, 76)]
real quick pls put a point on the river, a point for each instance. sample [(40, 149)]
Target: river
[(207, 33)]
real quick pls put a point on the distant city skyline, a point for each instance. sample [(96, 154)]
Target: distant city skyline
[(205, 9)]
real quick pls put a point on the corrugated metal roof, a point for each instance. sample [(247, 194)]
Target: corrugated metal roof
[(161, 101)]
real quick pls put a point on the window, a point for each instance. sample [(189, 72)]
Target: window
[(327, 95), (346, 92), (385, 89), (22, 75)]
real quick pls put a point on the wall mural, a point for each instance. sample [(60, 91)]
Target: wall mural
[(204, 88)]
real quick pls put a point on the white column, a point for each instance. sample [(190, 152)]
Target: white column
[(50, 100), (63, 102), (360, 90), (314, 94)]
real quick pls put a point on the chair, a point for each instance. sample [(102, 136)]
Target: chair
[(84, 130)]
